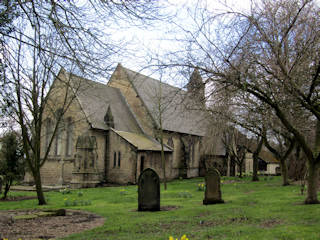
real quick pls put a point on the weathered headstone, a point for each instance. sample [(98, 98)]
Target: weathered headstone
[(213, 193), (148, 191)]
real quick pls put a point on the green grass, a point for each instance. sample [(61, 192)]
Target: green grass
[(260, 210)]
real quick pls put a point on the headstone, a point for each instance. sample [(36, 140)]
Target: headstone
[(213, 193), (148, 191)]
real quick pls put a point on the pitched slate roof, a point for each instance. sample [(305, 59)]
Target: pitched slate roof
[(176, 105), (95, 99), (142, 142)]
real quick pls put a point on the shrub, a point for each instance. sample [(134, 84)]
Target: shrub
[(11, 161)]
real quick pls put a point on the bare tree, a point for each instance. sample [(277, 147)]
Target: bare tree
[(234, 143), (49, 35), (283, 146), (161, 103), (271, 53)]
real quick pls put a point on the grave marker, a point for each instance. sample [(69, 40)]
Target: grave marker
[(212, 193), (148, 191)]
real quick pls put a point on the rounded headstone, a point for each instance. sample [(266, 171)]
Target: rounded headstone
[(148, 191)]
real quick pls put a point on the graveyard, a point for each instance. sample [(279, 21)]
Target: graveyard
[(251, 210)]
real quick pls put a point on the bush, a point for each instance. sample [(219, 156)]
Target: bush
[(11, 161)]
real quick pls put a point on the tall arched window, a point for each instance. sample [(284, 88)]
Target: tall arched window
[(114, 159), (58, 141), (48, 132), (69, 137), (59, 133)]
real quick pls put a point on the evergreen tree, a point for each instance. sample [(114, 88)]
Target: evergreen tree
[(11, 161)]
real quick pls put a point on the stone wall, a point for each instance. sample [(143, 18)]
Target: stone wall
[(194, 158), (101, 152), (248, 163), (178, 155), (153, 160), (272, 168), (51, 170), (125, 173)]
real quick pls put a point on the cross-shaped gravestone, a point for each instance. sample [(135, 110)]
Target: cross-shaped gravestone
[(213, 193), (148, 191)]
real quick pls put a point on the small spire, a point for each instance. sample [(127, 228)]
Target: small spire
[(108, 118)]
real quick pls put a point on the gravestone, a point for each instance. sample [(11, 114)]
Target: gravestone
[(148, 191), (213, 193)]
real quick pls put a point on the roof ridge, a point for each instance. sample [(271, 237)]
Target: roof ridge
[(151, 78), (86, 79)]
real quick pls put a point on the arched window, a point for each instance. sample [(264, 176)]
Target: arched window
[(141, 163), (48, 133), (170, 142), (59, 133), (69, 137), (58, 141), (119, 158), (114, 159)]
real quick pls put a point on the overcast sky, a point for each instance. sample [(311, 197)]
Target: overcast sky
[(159, 39)]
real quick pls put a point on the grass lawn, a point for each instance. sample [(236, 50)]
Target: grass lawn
[(260, 210)]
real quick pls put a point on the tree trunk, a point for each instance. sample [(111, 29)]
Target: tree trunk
[(228, 166), (255, 157), (284, 172), (7, 188), (1, 182), (240, 170), (313, 170), (312, 180), (255, 177), (163, 161), (40, 195)]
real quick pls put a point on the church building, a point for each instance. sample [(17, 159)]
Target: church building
[(111, 132)]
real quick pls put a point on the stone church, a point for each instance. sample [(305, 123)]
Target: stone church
[(111, 132)]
